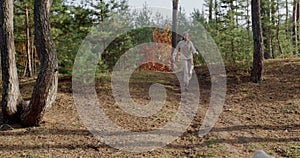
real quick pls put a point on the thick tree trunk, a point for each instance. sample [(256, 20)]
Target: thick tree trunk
[(11, 96), (45, 89), (257, 69), (174, 27)]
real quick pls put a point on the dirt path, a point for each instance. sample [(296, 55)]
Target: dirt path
[(256, 116)]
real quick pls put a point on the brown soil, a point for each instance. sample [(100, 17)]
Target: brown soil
[(256, 116)]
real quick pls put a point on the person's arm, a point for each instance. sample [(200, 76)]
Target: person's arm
[(193, 48), (175, 52)]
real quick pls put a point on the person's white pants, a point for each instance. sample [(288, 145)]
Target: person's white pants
[(188, 67)]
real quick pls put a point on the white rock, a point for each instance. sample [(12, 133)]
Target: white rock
[(261, 154)]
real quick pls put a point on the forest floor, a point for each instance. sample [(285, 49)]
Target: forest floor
[(256, 116)]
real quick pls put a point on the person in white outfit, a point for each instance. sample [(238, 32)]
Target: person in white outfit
[(186, 49)]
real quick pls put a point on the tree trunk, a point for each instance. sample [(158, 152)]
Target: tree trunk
[(248, 19), (287, 18), (278, 29), (272, 28), (295, 25), (236, 15), (11, 96), (232, 54), (210, 11), (28, 50), (298, 27), (33, 59), (232, 27), (174, 27), (45, 89), (266, 28), (257, 69), (216, 16)]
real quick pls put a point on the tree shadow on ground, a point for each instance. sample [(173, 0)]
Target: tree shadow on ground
[(85, 133)]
